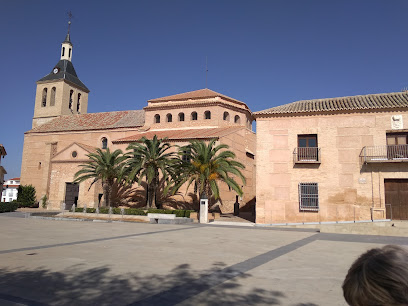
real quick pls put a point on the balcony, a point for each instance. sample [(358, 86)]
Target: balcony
[(385, 154), (306, 155)]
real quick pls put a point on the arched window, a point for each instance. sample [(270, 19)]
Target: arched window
[(157, 118), (207, 115), (181, 117), (194, 116), (69, 53), (44, 98), (104, 143), (79, 103), (63, 51), (237, 119), (53, 91), (169, 118), (226, 116), (71, 93)]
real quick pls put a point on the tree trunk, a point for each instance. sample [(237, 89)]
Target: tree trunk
[(154, 188), (149, 195), (107, 190)]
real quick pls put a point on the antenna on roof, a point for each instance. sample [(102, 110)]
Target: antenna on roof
[(206, 72)]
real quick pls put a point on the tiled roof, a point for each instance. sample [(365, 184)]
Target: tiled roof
[(197, 94), (362, 102), (92, 121), (65, 71), (181, 134), (14, 179)]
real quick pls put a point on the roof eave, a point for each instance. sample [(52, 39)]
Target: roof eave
[(328, 112), (84, 88)]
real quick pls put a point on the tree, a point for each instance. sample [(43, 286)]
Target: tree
[(204, 165), (105, 166), (147, 160), (26, 195)]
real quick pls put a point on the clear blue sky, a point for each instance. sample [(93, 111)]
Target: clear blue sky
[(265, 53)]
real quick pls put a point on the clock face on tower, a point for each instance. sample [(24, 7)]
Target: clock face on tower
[(56, 70)]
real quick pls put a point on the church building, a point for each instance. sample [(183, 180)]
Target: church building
[(63, 133), (324, 160)]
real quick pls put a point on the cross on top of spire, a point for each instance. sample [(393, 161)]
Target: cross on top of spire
[(68, 38), (69, 20)]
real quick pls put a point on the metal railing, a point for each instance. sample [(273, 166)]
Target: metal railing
[(393, 153), (306, 155)]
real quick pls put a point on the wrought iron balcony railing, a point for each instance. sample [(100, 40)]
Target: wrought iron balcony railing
[(384, 154), (309, 155)]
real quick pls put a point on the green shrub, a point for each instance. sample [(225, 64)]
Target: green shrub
[(160, 211), (182, 213), (44, 201), (135, 211), (26, 196), (188, 213), (104, 210), (8, 206), (179, 212), (116, 211)]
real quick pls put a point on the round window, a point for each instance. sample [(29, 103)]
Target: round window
[(74, 154)]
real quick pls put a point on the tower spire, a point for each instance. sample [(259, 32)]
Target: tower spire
[(68, 38), (66, 48)]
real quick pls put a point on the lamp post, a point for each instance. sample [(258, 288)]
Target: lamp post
[(204, 208)]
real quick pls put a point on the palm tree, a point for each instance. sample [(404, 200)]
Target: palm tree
[(205, 164), (105, 166), (146, 161)]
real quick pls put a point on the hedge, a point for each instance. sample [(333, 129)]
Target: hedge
[(26, 196), (135, 211), (8, 206), (138, 211)]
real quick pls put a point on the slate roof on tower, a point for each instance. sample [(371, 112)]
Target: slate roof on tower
[(93, 121), (361, 102), (67, 72)]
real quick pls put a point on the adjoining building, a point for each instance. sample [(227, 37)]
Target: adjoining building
[(339, 159), (10, 190), (63, 133), (3, 171)]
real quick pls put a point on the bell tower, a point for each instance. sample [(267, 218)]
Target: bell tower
[(60, 92)]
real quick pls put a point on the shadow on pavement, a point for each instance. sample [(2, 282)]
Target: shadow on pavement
[(99, 286)]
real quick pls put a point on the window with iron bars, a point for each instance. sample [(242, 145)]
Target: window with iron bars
[(308, 196)]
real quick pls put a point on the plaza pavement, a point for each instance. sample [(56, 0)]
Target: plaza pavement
[(48, 262)]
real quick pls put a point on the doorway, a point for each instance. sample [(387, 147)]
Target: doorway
[(396, 195), (71, 195)]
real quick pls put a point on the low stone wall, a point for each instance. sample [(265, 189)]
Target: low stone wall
[(104, 216), (386, 228)]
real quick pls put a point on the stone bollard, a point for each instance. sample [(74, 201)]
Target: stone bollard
[(97, 210), (73, 208), (84, 211), (63, 206), (122, 211), (110, 212)]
